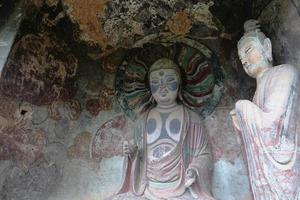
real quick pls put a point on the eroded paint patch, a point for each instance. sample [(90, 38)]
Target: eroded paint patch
[(81, 146), (109, 138), (39, 70), (94, 106), (180, 23), (20, 142), (87, 14)]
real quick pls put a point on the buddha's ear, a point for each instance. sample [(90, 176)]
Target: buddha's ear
[(268, 49)]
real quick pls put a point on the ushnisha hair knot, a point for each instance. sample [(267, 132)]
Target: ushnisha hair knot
[(252, 29)]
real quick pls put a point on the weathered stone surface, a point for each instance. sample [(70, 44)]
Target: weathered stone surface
[(94, 106), (126, 197), (62, 128), (111, 62), (39, 70), (128, 21), (230, 180), (81, 146), (91, 84), (180, 23), (121, 23), (74, 108), (6, 8), (223, 138), (5, 169), (259, 5), (55, 153), (11, 19), (39, 115), (238, 84), (82, 182), (283, 28), (8, 108), (20, 142), (53, 110), (36, 184), (106, 24), (106, 97), (86, 14)]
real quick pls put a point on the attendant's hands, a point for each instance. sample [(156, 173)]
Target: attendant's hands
[(190, 177)]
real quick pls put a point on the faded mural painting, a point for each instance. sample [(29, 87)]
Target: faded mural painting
[(132, 100)]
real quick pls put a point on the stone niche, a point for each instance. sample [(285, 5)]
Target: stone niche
[(71, 147), (68, 89)]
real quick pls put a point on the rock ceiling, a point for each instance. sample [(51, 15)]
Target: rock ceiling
[(57, 36), (108, 24)]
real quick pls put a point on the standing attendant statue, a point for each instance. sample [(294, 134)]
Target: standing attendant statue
[(170, 157), (269, 125)]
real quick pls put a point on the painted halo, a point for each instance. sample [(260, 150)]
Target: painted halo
[(202, 77)]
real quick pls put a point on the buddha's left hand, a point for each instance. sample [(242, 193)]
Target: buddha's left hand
[(190, 177)]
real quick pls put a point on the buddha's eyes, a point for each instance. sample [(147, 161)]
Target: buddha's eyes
[(163, 80), (155, 81), (171, 79)]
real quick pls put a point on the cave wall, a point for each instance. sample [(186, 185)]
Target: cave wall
[(283, 30), (10, 17), (62, 126)]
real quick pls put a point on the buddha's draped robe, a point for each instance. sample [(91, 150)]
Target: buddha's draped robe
[(192, 151), (270, 127)]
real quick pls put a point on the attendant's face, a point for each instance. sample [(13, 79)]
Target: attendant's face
[(251, 54), (164, 84)]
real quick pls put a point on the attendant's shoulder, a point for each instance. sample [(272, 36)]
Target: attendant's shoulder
[(286, 70)]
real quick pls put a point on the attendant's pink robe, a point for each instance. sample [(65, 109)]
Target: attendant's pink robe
[(270, 129)]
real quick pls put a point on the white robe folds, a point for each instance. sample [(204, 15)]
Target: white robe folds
[(270, 127)]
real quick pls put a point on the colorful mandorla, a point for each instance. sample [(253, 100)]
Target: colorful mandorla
[(202, 76)]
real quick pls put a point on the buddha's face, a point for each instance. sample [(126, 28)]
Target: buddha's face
[(252, 56), (164, 84)]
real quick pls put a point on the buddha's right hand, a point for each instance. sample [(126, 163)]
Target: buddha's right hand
[(190, 177), (128, 148)]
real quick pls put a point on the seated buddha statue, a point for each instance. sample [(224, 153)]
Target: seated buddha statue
[(170, 156)]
